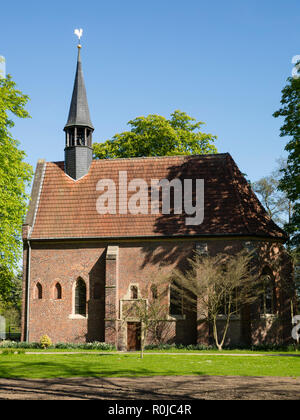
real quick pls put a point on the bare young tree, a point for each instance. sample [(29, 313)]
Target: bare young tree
[(217, 285), (151, 310)]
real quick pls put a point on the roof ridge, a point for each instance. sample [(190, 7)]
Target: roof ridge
[(208, 155)]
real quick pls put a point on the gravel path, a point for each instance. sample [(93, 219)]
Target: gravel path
[(152, 388)]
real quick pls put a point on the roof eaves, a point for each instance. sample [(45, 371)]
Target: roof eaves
[(35, 194)]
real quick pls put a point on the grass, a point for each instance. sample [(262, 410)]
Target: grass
[(118, 365)]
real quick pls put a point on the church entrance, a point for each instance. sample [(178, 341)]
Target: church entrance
[(133, 336)]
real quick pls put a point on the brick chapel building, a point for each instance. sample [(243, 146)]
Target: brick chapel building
[(81, 266)]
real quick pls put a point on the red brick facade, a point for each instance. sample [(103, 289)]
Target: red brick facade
[(75, 257), (112, 269)]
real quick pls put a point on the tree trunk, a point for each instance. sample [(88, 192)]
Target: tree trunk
[(225, 331), (143, 336), (215, 332)]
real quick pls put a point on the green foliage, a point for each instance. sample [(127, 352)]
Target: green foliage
[(7, 352), (15, 175), (275, 201), (155, 135), (95, 345), (10, 289), (45, 341), (174, 347), (9, 344), (266, 347), (290, 182), (10, 298)]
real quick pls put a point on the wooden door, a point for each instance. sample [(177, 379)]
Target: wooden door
[(133, 336)]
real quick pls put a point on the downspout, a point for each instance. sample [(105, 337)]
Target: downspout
[(28, 291)]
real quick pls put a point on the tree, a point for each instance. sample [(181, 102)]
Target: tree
[(151, 310), (275, 201), (10, 296), (155, 135), (281, 210), (15, 175), (217, 286), (290, 181)]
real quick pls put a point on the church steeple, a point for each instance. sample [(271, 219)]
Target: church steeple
[(79, 128)]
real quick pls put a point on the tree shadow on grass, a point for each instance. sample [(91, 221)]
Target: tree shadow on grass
[(64, 366)]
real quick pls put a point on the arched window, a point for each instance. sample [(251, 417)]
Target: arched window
[(80, 297), (154, 291), (57, 291), (268, 297), (133, 292), (38, 291)]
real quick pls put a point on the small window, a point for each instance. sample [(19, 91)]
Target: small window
[(57, 291), (80, 298), (133, 292), (38, 291)]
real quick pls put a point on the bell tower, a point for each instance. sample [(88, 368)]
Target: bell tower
[(79, 128)]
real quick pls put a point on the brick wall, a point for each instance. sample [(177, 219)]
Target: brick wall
[(136, 263), (55, 317)]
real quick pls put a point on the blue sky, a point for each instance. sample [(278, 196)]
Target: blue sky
[(222, 62)]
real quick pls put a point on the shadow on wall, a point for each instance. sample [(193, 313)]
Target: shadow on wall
[(96, 303), (175, 254), (225, 191), (217, 186)]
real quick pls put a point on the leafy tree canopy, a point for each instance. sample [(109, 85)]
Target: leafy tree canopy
[(155, 135), (290, 182), (15, 175)]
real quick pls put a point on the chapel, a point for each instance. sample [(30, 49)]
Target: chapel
[(83, 265)]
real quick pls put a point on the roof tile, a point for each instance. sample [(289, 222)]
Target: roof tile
[(67, 208)]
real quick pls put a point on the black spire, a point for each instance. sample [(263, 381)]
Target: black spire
[(79, 113), (79, 128)]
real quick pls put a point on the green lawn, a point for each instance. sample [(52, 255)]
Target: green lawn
[(91, 365)]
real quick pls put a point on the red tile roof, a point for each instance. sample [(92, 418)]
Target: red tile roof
[(67, 209)]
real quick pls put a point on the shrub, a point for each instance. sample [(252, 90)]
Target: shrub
[(45, 341), (6, 351), (178, 347), (95, 345)]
